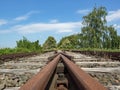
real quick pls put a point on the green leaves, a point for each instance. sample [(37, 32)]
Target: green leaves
[(96, 33), (26, 44), (94, 24), (69, 42), (50, 43)]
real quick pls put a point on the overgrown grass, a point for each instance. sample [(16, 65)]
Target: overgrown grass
[(4, 51)]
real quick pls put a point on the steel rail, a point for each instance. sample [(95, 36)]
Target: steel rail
[(40, 80), (83, 80)]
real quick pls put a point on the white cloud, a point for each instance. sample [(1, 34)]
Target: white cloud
[(21, 18), (116, 26), (65, 31), (2, 22), (65, 27), (54, 21), (113, 16), (55, 27), (26, 16), (85, 11), (5, 31)]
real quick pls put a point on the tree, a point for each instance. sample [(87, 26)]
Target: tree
[(70, 42), (94, 27), (113, 38), (118, 42), (50, 43), (23, 43), (66, 44), (26, 44), (94, 34)]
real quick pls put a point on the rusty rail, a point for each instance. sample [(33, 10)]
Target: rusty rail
[(82, 80), (39, 81)]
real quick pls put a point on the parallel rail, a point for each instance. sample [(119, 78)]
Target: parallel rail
[(62, 74), (83, 80), (40, 80)]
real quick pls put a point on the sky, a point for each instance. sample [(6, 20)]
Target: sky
[(38, 19)]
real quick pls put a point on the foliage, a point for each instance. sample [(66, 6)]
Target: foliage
[(26, 44), (5, 51), (23, 46), (13, 50), (50, 43), (69, 42), (94, 27), (95, 33)]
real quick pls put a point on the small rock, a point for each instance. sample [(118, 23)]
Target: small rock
[(2, 86)]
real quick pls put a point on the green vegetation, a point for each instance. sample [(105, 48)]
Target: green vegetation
[(95, 35), (69, 42), (13, 50), (23, 46), (31, 46), (50, 43)]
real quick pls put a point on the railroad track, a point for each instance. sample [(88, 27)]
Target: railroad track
[(15, 72), (62, 74)]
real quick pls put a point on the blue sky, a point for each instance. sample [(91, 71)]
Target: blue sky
[(38, 19)]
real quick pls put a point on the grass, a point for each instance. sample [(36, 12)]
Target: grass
[(4, 51)]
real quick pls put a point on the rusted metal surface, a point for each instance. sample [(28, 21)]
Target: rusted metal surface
[(52, 57), (56, 76), (39, 81), (61, 87), (83, 80)]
